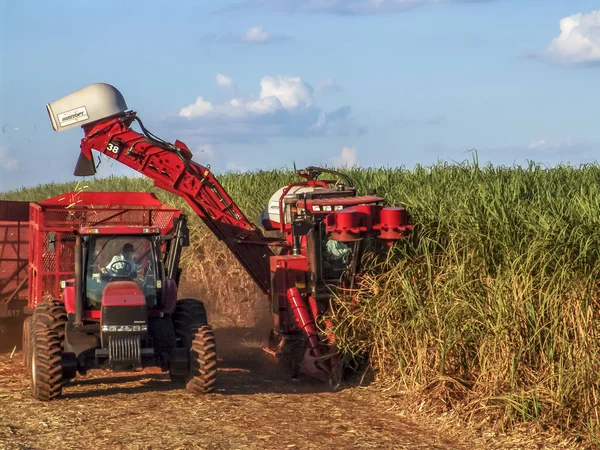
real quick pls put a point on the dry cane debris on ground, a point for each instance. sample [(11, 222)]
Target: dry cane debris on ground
[(254, 408)]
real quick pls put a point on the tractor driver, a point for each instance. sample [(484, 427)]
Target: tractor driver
[(123, 263)]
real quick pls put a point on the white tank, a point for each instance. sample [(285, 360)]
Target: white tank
[(89, 104), (271, 212)]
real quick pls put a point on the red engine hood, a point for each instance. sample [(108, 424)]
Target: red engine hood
[(123, 293)]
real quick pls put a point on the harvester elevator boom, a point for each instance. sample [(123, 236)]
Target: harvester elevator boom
[(172, 169)]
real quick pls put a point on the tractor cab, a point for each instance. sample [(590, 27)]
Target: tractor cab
[(128, 255)]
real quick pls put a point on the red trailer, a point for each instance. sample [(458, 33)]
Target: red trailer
[(96, 276), (53, 221), (14, 239), (35, 249)]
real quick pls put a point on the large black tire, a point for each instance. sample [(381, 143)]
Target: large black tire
[(203, 362), (189, 314), (26, 343), (193, 333), (52, 315), (47, 334)]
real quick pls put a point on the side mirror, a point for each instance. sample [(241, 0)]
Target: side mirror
[(52, 241)]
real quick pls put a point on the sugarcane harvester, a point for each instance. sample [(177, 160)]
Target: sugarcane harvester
[(324, 225)]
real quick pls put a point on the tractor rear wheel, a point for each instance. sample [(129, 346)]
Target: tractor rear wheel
[(26, 343), (188, 317), (203, 362), (188, 313), (52, 315), (47, 334)]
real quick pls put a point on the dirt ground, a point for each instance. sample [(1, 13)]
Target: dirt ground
[(252, 409)]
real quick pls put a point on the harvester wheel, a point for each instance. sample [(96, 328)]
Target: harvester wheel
[(47, 333), (203, 362), (189, 316), (26, 343)]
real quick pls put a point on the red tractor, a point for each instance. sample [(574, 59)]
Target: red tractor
[(324, 226), (103, 278)]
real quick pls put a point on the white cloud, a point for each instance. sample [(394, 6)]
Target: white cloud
[(579, 40), (557, 145), (252, 36), (282, 106), (327, 85), (290, 91), (223, 81), (255, 34), (343, 7), (276, 93), (198, 109), (346, 158), (8, 163)]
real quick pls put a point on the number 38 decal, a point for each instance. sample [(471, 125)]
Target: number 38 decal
[(113, 148)]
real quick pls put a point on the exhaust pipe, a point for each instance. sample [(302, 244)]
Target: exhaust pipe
[(78, 281)]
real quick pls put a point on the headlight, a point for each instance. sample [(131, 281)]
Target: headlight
[(124, 328)]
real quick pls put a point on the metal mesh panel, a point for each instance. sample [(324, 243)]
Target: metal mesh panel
[(67, 257), (59, 263), (48, 287), (76, 218)]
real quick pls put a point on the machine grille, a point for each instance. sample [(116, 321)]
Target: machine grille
[(124, 350)]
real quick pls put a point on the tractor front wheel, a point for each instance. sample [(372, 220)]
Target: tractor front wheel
[(47, 333)]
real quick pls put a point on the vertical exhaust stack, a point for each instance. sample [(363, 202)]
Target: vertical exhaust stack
[(90, 104)]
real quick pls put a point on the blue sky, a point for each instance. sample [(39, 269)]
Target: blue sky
[(265, 83)]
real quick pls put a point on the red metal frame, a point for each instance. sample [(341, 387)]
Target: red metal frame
[(116, 212), (120, 230), (172, 169)]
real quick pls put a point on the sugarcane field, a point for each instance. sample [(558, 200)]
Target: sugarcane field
[(299, 224)]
